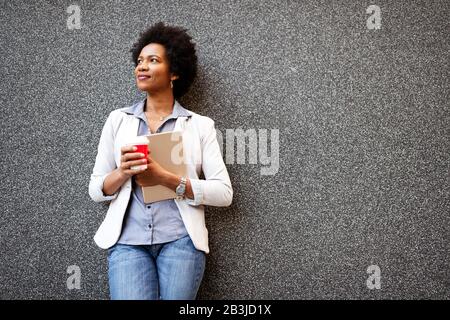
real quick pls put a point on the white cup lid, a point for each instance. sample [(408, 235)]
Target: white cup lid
[(138, 140)]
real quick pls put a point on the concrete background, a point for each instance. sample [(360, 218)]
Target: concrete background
[(363, 117)]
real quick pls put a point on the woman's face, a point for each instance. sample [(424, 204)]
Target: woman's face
[(152, 70)]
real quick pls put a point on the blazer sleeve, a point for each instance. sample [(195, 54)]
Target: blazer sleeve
[(215, 189), (104, 163)]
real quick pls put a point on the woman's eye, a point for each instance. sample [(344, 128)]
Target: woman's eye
[(152, 59)]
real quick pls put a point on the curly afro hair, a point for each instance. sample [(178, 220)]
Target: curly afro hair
[(180, 52)]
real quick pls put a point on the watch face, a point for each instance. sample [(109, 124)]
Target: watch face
[(179, 190)]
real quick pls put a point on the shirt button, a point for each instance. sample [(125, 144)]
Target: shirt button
[(149, 226), (148, 207)]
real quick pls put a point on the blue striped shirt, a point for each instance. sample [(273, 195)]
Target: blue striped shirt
[(155, 222)]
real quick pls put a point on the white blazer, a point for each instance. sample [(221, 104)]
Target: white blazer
[(201, 152)]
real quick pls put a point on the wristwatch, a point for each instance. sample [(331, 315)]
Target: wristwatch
[(181, 189)]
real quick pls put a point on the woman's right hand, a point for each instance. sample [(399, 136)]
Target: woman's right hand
[(130, 158)]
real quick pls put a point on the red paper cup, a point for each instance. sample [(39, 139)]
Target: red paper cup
[(142, 147)]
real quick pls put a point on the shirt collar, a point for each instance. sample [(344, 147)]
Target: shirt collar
[(138, 110)]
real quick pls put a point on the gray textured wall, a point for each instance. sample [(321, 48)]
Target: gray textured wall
[(363, 120)]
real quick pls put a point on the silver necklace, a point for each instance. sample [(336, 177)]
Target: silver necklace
[(161, 118), (148, 127)]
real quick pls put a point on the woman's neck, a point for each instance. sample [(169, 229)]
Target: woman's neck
[(160, 105)]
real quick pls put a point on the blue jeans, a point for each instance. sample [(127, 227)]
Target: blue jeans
[(167, 271)]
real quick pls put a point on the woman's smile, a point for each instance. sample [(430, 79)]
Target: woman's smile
[(143, 77)]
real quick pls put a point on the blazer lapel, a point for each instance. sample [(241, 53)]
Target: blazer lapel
[(131, 126), (180, 124)]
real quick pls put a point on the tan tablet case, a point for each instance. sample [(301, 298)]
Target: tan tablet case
[(167, 149)]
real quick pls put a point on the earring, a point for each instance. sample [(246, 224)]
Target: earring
[(171, 84)]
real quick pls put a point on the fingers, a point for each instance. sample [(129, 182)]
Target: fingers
[(129, 149), (129, 158), (125, 149), (130, 163), (132, 172), (136, 162), (132, 156)]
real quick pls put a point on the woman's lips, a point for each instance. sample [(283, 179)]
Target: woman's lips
[(143, 78)]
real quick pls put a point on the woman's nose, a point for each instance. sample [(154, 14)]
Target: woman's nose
[(143, 66)]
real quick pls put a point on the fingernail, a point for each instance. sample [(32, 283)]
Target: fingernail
[(134, 148)]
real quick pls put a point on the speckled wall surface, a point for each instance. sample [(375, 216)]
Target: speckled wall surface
[(363, 122)]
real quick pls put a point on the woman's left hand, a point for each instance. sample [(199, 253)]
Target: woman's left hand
[(154, 175)]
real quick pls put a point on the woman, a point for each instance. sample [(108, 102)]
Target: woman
[(157, 250)]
